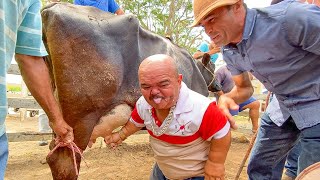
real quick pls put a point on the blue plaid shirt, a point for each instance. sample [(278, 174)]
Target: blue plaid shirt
[(20, 32), (281, 47)]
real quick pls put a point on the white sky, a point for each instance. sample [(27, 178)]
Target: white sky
[(257, 3), (251, 4)]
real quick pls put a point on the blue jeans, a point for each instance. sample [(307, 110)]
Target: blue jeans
[(273, 143), (292, 161), (157, 174), (3, 154)]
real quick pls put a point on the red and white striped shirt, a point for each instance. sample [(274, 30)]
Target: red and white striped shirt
[(182, 150)]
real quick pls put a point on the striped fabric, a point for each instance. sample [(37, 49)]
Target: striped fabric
[(20, 27)]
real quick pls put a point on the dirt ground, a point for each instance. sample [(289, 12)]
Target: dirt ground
[(133, 160)]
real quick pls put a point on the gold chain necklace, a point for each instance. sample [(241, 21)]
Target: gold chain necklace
[(158, 131)]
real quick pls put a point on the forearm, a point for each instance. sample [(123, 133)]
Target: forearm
[(219, 149), (119, 12), (242, 90), (128, 129), (240, 94), (214, 51), (36, 76), (198, 55)]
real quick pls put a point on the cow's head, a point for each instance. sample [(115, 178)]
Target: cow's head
[(207, 68)]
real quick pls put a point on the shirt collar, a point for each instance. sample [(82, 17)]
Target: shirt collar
[(184, 104), (249, 23)]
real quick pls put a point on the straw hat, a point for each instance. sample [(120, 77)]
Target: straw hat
[(201, 8), (310, 173)]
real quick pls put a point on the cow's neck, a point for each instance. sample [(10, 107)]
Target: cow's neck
[(162, 114)]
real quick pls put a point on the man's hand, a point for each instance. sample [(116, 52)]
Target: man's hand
[(198, 55), (214, 171), (63, 131), (113, 140), (226, 104)]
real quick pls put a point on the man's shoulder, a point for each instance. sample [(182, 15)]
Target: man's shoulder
[(142, 103), (197, 98), (285, 9)]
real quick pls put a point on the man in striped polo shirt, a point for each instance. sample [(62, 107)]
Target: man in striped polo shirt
[(20, 34), (189, 135)]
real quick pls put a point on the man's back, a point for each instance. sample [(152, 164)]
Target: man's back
[(105, 5), (224, 78)]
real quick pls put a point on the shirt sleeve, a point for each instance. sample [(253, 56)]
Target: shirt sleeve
[(302, 24), (219, 76), (29, 36), (214, 123), (113, 6), (136, 119), (78, 2), (227, 58), (204, 47)]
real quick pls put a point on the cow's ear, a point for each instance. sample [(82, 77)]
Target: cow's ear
[(205, 59)]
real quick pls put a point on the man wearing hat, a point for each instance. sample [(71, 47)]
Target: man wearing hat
[(279, 45)]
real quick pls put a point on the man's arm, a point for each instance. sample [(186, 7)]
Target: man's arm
[(214, 50), (301, 26), (119, 12), (242, 91), (116, 138), (219, 148), (199, 54), (36, 76)]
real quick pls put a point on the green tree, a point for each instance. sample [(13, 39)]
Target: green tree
[(167, 18)]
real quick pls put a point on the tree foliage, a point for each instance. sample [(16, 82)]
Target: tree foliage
[(167, 18)]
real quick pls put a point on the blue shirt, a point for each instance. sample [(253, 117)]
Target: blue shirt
[(224, 78), (281, 47), (20, 32), (105, 5), (204, 47)]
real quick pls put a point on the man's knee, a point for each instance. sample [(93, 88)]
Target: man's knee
[(255, 104)]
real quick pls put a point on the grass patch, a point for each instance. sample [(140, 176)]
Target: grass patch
[(13, 88)]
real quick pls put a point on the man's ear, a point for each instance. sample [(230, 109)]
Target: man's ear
[(180, 78), (237, 6), (205, 59)]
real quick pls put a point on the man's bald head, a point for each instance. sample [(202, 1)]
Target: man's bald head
[(159, 61), (159, 81)]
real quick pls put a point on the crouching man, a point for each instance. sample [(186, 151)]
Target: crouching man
[(189, 135)]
